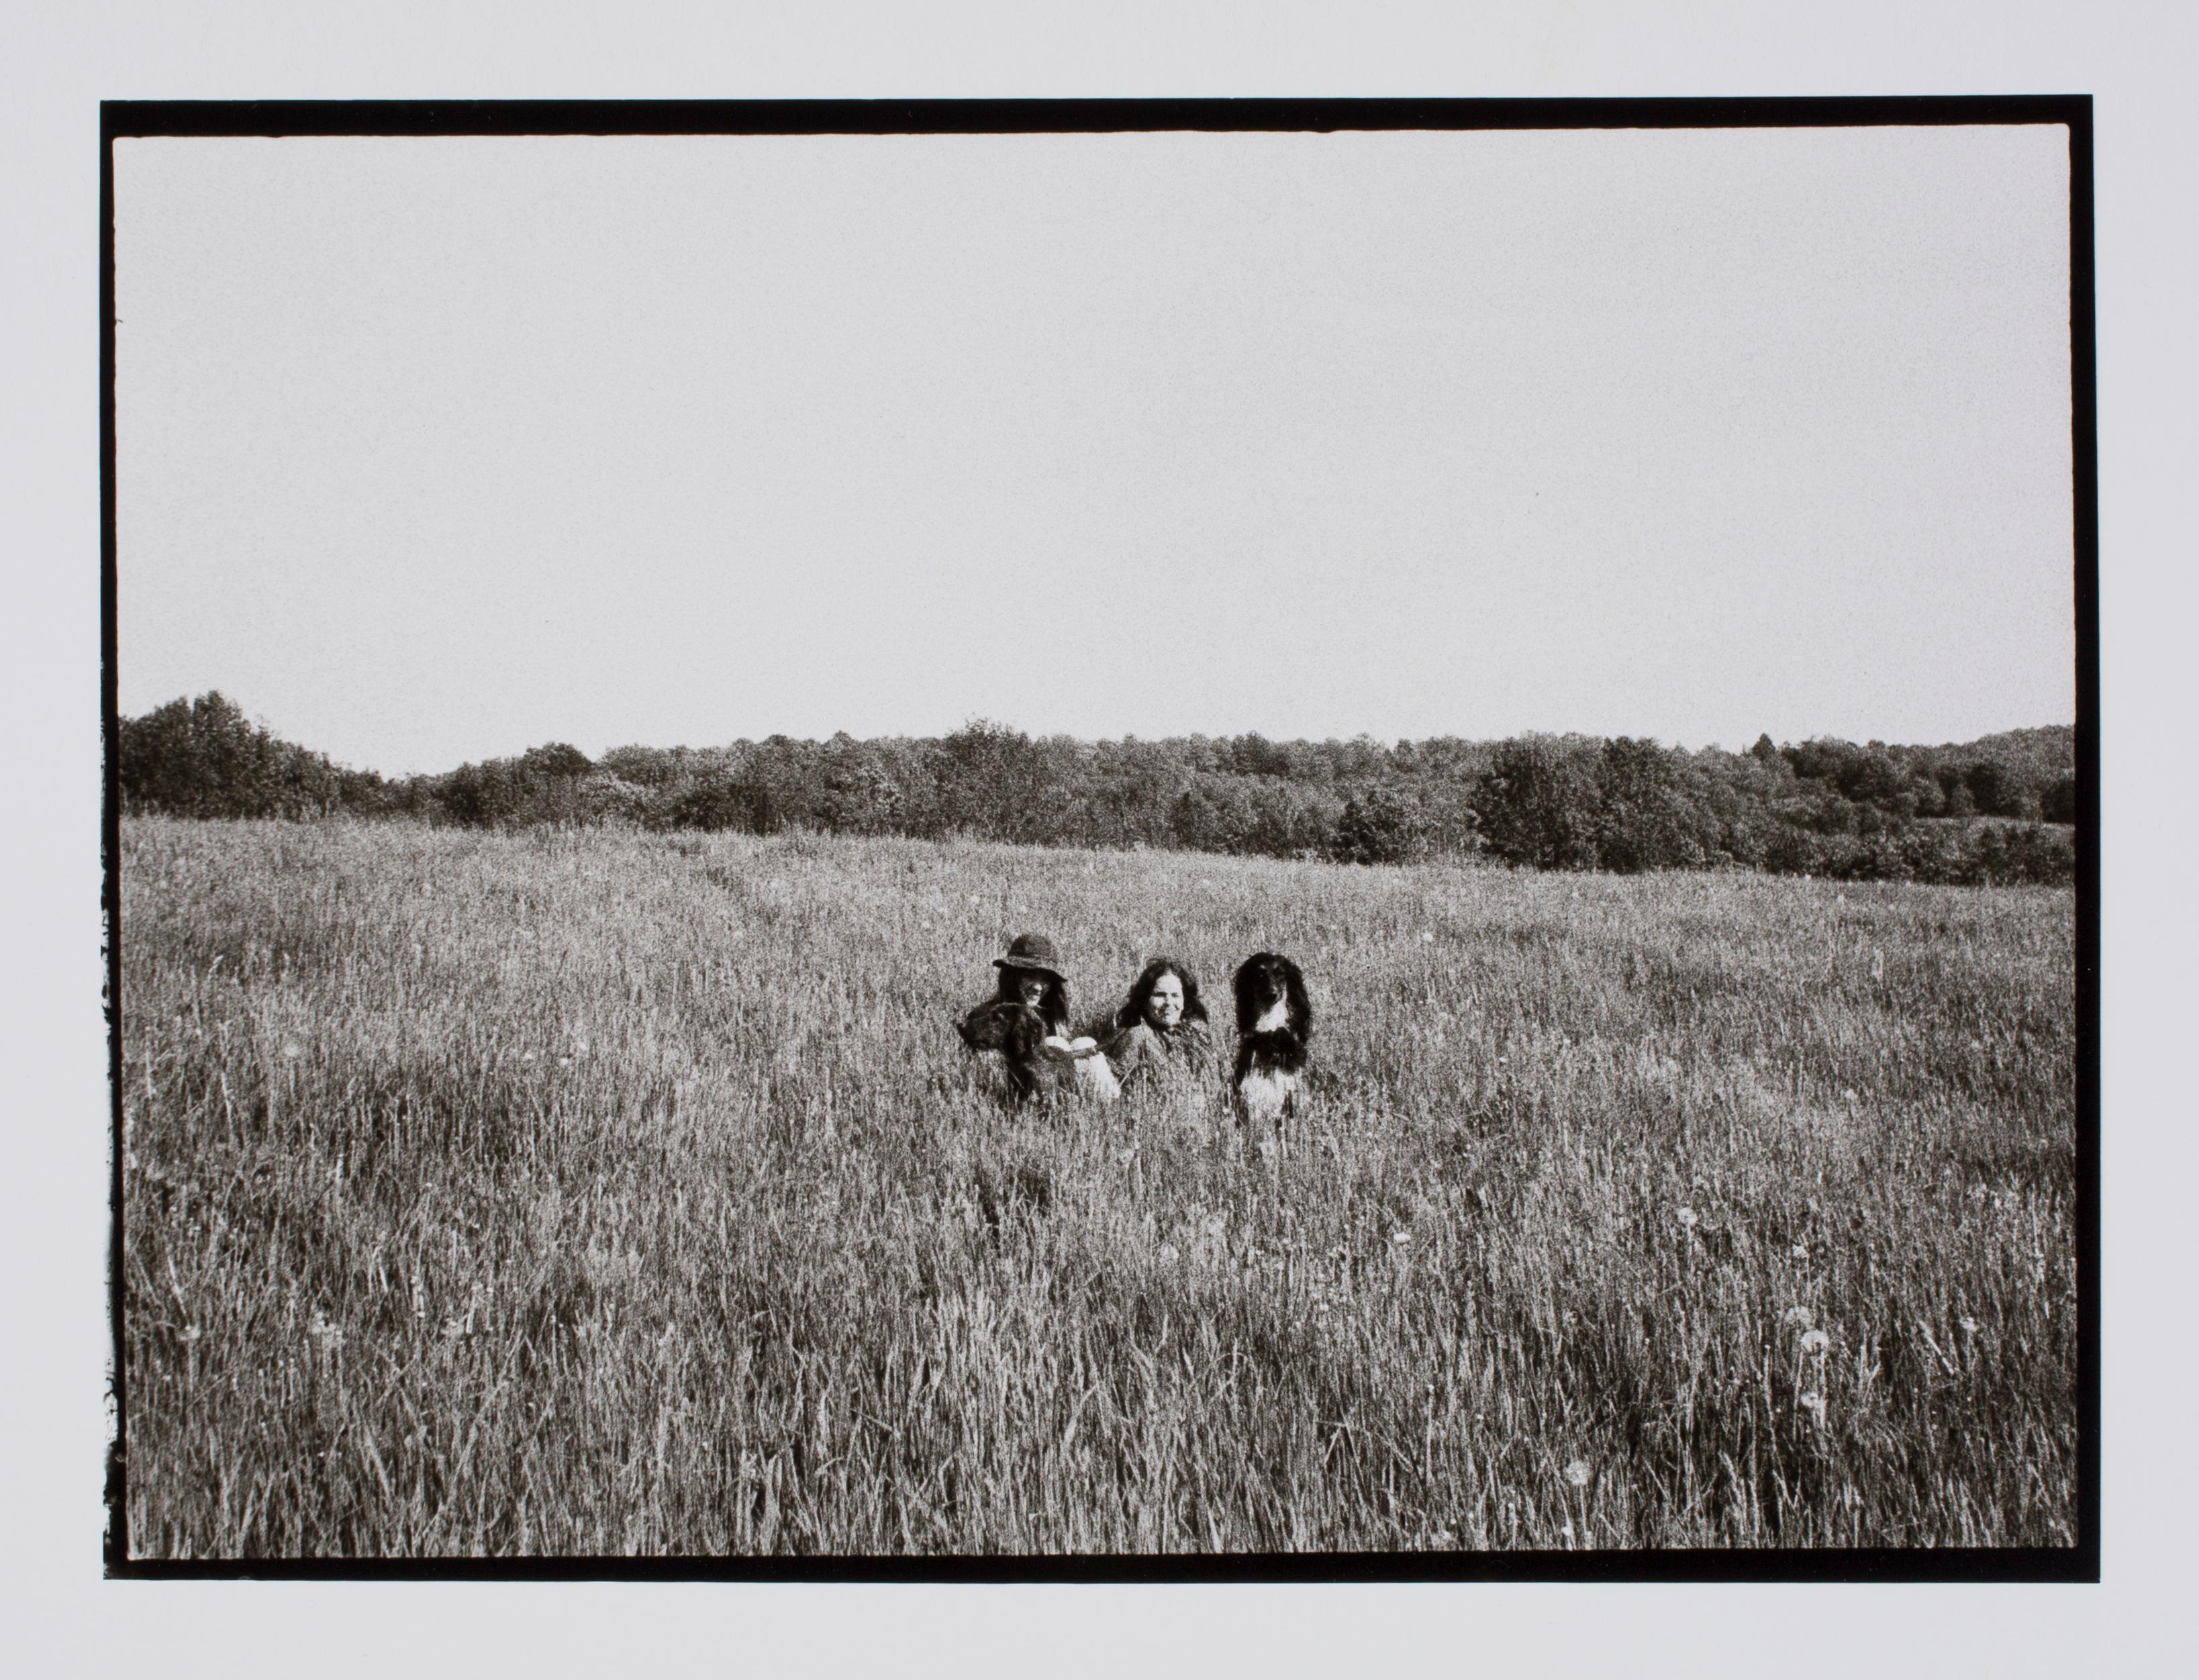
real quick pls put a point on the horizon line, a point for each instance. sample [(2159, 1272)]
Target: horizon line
[(1385, 743)]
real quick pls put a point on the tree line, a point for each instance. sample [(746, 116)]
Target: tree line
[(1997, 809)]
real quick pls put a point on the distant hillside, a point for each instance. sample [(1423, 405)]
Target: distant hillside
[(1826, 806), (2036, 754), (2054, 743)]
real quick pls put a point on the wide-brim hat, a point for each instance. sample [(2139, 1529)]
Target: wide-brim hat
[(1032, 951)]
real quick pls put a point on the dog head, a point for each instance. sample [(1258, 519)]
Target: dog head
[(1018, 1033), (1013, 1029), (1271, 997)]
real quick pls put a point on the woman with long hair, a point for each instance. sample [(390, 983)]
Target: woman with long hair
[(1030, 985), (1160, 1032), (1028, 975)]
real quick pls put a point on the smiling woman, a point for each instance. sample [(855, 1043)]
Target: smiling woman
[(1160, 1032)]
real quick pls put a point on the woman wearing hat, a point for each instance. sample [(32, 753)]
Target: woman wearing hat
[(1030, 975)]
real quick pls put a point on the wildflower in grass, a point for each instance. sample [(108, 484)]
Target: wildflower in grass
[(1814, 1341), (1686, 1215), (1168, 1252), (1401, 1236), (1848, 1096), (1797, 1316), (1443, 1537), (1969, 1326), (1577, 1472), (1215, 1224), (1427, 937), (1800, 1250), (292, 1050), (1814, 1404)]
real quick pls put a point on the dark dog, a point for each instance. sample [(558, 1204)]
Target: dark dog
[(1037, 1065), (1274, 1020)]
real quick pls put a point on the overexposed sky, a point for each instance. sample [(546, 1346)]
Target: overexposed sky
[(434, 449)]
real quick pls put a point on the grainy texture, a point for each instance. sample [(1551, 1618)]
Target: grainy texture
[(592, 1192)]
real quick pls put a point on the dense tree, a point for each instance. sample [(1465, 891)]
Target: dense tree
[(1540, 801), (2059, 802), (205, 758), (1947, 812), (995, 780), (1380, 825), (556, 759), (1647, 816)]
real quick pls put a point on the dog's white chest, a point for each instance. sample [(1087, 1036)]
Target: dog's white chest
[(1265, 1091), (1277, 1018)]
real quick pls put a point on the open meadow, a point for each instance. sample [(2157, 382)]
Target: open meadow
[(591, 1192)]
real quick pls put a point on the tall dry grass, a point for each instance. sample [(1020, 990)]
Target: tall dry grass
[(589, 1192)]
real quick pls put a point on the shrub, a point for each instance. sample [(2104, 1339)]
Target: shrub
[(1647, 816), (1539, 802), (1379, 825)]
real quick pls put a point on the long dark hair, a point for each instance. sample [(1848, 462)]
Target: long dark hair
[(1052, 1008), (1134, 1006)]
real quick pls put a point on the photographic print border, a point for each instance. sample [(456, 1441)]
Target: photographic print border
[(138, 118)]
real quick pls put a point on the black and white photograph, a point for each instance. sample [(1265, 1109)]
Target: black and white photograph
[(1179, 839), (1185, 839)]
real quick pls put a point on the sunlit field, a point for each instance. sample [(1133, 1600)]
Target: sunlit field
[(596, 1192)]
